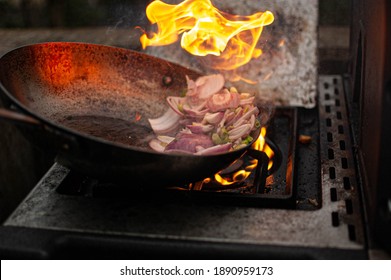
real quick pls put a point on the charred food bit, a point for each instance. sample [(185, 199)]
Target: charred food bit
[(305, 139)]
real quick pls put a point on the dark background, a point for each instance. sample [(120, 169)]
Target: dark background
[(69, 13), (22, 164), (77, 13)]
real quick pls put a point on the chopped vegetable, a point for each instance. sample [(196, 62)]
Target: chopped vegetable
[(213, 119)]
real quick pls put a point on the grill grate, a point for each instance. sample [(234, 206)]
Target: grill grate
[(338, 167)]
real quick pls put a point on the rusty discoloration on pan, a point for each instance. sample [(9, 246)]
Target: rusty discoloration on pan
[(57, 80)]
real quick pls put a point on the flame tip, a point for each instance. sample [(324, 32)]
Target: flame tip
[(231, 40)]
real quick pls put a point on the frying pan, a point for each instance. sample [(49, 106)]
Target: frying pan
[(90, 105)]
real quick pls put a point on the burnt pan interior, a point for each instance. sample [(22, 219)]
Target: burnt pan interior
[(98, 90)]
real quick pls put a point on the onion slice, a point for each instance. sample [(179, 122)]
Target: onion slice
[(198, 128), (176, 104), (247, 115), (156, 145), (209, 85), (217, 149), (247, 101), (223, 100), (166, 123), (212, 119), (239, 132)]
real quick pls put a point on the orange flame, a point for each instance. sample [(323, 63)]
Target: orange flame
[(261, 145), (207, 31), (241, 175)]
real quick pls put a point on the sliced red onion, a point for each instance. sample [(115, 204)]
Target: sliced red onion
[(165, 139), (174, 151), (201, 80), (235, 116), (156, 145), (247, 101), (244, 95), (198, 128), (207, 109), (195, 102), (195, 112), (227, 115), (186, 122), (166, 123), (209, 85), (252, 121), (213, 118), (191, 87), (176, 103), (199, 148), (217, 149), (251, 111), (223, 100), (188, 142), (239, 132)]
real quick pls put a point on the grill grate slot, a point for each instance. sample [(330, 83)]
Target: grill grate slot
[(333, 194), (339, 115), (340, 129), (329, 137), (342, 145), (335, 219), (338, 172), (344, 163), (346, 183), (332, 173), (330, 154), (349, 206), (352, 232)]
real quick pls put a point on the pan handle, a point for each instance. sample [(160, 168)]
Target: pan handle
[(17, 118)]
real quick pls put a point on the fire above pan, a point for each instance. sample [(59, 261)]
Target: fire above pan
[(286, 72)]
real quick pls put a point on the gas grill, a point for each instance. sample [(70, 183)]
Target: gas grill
[(316, 202), (308, 208)]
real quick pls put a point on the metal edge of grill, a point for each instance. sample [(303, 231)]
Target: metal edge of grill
[(339, 178)]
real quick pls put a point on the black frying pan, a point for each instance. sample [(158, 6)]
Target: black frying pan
[(90, 105)]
